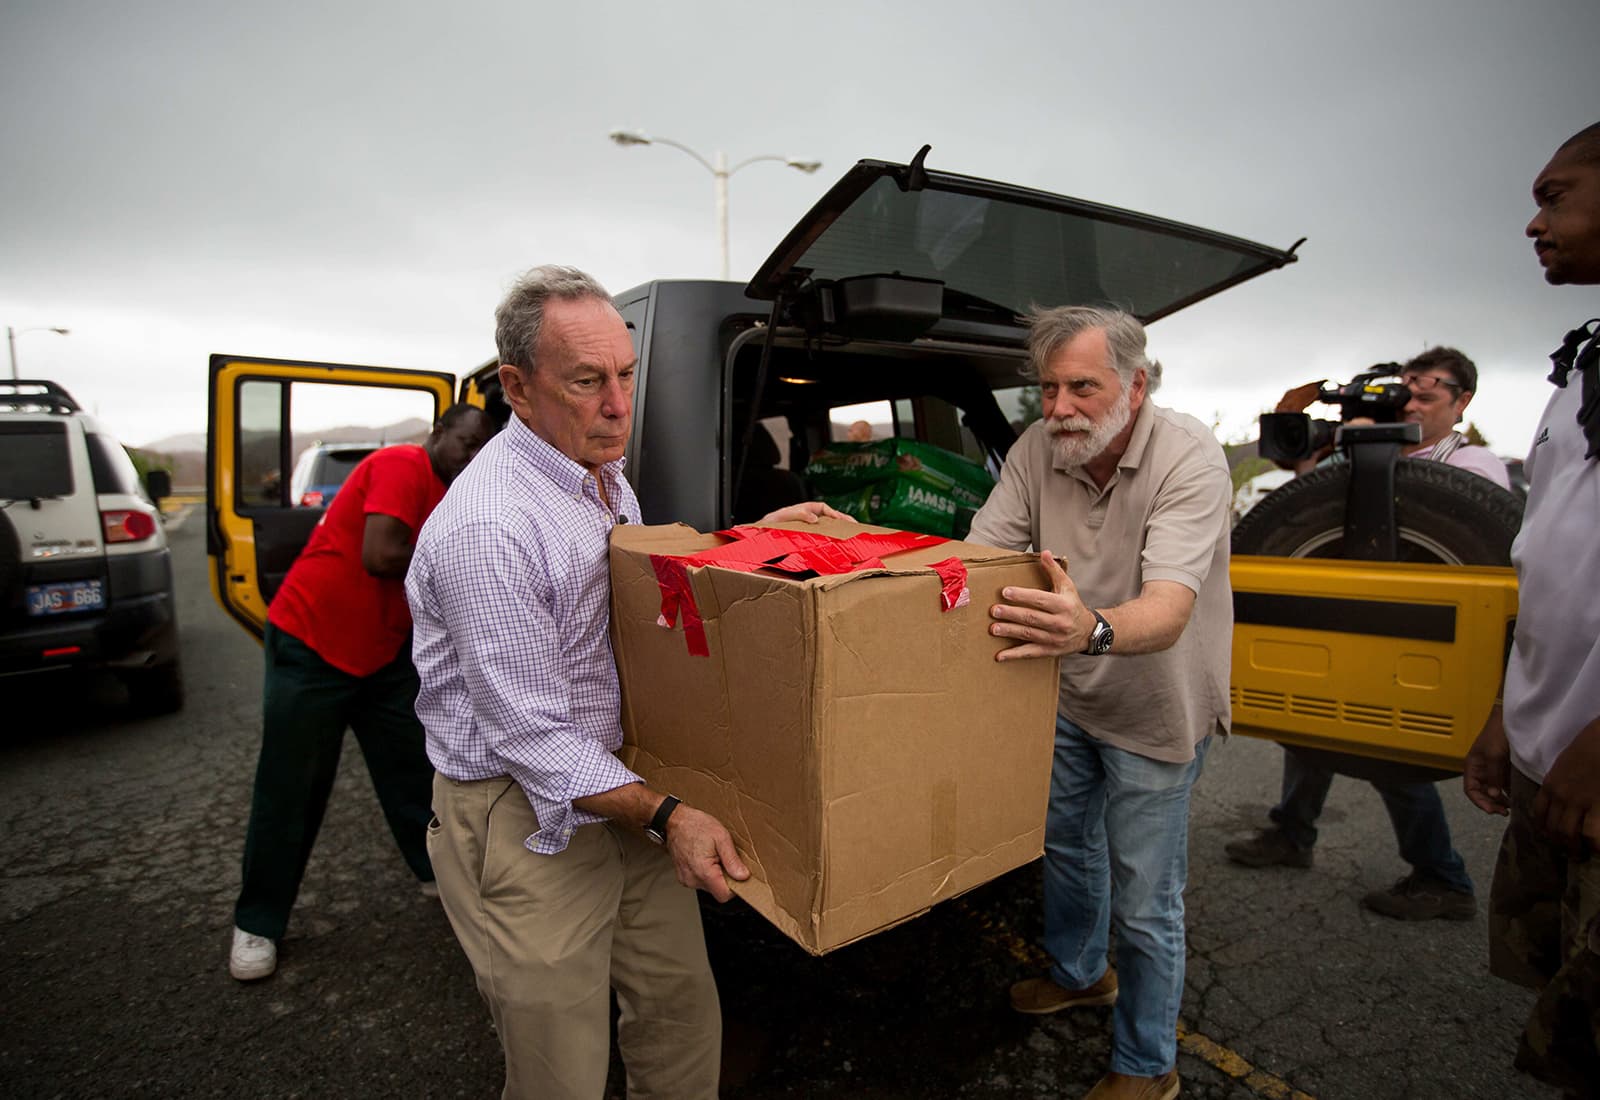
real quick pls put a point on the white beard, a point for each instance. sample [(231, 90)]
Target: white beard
[(1088, 439)]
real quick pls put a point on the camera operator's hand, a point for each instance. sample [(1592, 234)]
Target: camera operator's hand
[(1299, 399)]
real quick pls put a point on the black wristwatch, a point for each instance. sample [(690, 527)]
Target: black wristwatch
[(1101, 637), (657, 829)]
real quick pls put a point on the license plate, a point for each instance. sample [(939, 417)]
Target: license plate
[(67, 596)]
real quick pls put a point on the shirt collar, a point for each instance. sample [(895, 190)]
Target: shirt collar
[(1144, 423), (567, 474)]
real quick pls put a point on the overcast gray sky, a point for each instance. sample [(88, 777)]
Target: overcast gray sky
[(359, 182)]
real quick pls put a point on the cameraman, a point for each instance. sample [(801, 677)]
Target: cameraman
[(1442, 382)]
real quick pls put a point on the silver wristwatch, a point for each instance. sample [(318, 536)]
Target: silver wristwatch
[(1101, 637)]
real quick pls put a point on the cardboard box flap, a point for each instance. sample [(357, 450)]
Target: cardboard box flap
[(680, 540), (664, 538)]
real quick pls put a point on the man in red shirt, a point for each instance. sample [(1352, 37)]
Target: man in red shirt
[(338, 655)]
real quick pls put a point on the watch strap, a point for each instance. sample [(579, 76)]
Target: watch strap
[(657, 829)]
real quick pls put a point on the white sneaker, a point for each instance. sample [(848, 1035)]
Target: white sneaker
[(430, 889), (252, 956)]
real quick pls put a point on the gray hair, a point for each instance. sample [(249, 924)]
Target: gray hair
[(1049, 329), (520, 316)]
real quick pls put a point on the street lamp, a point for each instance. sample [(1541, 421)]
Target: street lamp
[(11, 341), (718, 167)]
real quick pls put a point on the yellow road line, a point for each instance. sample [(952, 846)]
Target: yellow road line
[(1214, 1054), (1258, 1081)]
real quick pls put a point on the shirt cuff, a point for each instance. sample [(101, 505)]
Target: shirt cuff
[(596, 772)]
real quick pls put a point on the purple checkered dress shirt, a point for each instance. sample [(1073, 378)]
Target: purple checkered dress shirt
[(510, 595)]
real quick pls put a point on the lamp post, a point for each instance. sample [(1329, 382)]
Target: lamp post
[(11, 341), (718, 167)]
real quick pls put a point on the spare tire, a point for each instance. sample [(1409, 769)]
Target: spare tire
[(1445, 515)]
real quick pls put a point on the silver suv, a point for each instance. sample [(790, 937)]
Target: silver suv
[(85, 572)]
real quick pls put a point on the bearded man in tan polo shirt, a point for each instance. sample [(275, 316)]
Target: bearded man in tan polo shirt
[(1134, 500)]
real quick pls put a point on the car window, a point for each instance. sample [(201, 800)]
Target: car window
[(336, 465), (113, 471), (35, 461), (870, 420), (1019, 404), (319, 431)]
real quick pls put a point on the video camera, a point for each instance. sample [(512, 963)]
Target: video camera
[(1295, 436)]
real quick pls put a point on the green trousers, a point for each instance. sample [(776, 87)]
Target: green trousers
[(306, 706)]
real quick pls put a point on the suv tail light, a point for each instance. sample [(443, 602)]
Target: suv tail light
[(127, 525), (311, 499)]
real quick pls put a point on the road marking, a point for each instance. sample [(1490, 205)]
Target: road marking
[(174, 519), (1258, 1081), (997, 932), (1214, 1054)]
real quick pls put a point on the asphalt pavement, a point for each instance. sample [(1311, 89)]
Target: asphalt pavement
[(115, 907)]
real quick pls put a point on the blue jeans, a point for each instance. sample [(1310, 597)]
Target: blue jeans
[(1414, 809), (1116, 849)]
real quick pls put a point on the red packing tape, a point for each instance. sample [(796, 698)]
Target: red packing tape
[(753, 548)]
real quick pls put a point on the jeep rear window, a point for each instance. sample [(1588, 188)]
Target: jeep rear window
[(1017, 255), (35, 462)]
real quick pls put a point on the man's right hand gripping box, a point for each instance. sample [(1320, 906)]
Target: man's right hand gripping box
[(852, 730)]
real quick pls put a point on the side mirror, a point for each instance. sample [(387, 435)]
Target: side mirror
[(158, 483)]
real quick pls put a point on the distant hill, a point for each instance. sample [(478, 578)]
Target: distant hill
[(185, 454), (414, 430), (175, 444)]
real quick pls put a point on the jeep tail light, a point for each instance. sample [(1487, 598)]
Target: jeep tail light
[(311, 499), (127, 525)]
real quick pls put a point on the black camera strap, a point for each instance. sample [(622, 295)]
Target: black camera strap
[(1568, 358)]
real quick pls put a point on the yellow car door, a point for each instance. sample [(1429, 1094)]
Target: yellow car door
[(265, 416)]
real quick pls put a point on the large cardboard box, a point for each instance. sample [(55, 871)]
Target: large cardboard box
[(864, 747)]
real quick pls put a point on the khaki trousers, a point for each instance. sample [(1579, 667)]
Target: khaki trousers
[(550, 936)]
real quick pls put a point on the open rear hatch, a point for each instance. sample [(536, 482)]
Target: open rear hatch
[(892, 249)]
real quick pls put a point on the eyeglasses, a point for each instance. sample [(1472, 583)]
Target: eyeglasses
[(1423, 383)]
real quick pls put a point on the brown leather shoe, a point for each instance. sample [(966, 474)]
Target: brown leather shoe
[(1120, 1086), (1043, 995)]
